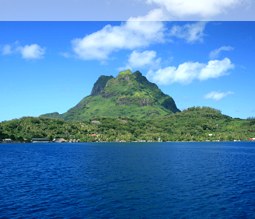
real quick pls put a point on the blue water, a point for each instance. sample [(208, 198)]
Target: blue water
[(127, 180)]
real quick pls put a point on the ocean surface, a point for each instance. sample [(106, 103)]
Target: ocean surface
[(128, 180)]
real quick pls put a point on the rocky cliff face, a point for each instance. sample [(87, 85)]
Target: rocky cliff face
[(100, 85)]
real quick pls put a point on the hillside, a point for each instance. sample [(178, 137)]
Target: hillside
[(193, 124), (128, 95)]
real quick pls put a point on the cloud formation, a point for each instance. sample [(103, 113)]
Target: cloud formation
[(33, 51), (216, 53), (143, 59), (187, 72), (200, 8), (129, 35), (189, 32), (28, 52), (154, 15), (215, 95), (132, 35)]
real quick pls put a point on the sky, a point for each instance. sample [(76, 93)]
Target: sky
[(190, 49), (112, 10), (50, 66)]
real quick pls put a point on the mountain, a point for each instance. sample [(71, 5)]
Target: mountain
[(129, 108), (129, 95)]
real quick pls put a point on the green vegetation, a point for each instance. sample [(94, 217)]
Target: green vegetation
[(129, 108), (128, 95), (194, 124)]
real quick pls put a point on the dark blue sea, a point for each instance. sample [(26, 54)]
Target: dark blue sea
[(127, 180)]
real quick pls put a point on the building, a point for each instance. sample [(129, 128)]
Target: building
[(40, 140), (7, 140)]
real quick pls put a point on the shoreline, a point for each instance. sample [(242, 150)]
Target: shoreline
[(51, 142)]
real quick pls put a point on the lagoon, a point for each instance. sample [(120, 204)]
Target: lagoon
[(128, 180)]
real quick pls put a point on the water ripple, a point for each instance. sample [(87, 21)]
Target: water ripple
[(156, 180)]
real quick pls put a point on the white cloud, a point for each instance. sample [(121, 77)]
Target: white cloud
[(215, 53), (157, 14), (201, 8), (32, 51), (187, 72), (189, 32), (215, 69), (129, 35), (146, 58), (215, 95)]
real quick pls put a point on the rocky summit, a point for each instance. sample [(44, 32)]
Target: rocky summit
[(129, 95)]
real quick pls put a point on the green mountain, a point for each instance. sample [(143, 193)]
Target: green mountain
[(129, 95), (129, 108)]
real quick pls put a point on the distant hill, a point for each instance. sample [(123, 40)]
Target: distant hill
[(129, 95)]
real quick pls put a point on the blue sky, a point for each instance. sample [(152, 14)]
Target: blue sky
[(50, 66), (98, 10)]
